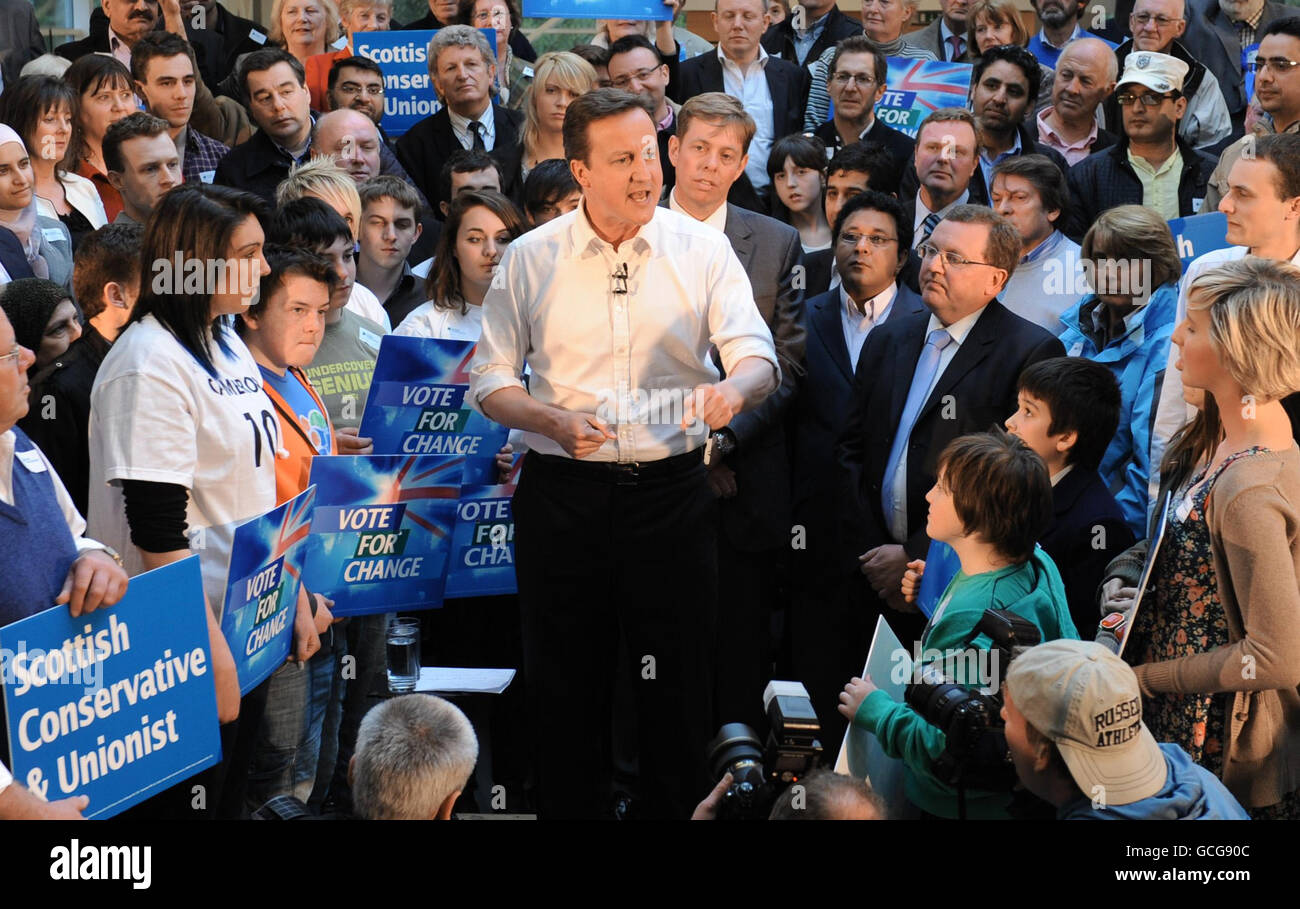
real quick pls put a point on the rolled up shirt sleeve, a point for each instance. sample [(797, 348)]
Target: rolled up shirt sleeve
[(736, 327)]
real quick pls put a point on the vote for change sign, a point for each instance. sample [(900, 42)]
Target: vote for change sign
[(483, 544), (381, 531), (416, 405), (262, 596), (918, 87), (116, 705)]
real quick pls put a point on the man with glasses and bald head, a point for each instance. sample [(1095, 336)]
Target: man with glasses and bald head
[(930, 377)]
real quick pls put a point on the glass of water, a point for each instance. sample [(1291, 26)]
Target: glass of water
[(403, 654)]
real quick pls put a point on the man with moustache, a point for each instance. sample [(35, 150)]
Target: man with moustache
[(1004, 84), (1157, 27), (117, 25)]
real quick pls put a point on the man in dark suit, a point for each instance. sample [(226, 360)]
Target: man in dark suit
[(118, 24), (748, 472), (945, 37), (830, 630), (856, 83), (462, 69), (235, 35), (923, 380), (275, 85), (1214, 38), (802, 36), (771, 89), (20, 38)]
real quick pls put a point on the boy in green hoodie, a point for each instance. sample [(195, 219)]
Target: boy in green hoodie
[(991, 501)]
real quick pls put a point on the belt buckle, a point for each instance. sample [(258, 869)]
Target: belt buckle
[(628, 473)]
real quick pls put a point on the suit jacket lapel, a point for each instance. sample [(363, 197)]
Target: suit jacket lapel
[(906, 357), (828, 325), (738, 232), (712, 72), (776, 89)]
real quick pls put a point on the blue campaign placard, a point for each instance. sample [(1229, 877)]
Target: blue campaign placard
[(381, 531), (483, 544), (918, 87), (262, 591), (596, 9), (404, 57), (416, 405), (1248, 55), (1196, 235), (117, 705)]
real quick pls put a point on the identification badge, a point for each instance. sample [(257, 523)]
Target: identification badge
[(52, 234), (1196, 205), (528, 72), (368, 338), (341, 43), (207, 176), (32, 461), (257, 36), (1075, 349)]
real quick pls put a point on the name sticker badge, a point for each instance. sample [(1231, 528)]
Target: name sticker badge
[(257, 36), (528, 72), (368, 338), (1075, 349), (207, 176), (32, 461), (52, 234)]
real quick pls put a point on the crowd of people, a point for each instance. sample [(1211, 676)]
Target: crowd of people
[(772, 367)]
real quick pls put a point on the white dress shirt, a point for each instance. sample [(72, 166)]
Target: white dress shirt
[(752, 89), (716, 220), (34, 461), (628, 357), (857, 323), (958, 332), (922, 213), (460, 127)]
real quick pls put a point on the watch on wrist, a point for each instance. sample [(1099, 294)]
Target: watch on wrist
[(724, 443)]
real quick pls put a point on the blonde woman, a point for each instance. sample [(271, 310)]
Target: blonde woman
[(304, 27), (322, 178), (1216, 638), (561, 77)]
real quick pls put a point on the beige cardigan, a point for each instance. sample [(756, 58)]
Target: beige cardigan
[(1254, 518)]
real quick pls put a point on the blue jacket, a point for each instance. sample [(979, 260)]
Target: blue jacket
[(1190, 793), (1138, 359)]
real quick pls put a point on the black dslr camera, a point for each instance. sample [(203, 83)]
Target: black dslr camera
[(976, 754), (761, 773)]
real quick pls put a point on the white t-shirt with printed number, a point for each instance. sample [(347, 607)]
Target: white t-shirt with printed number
[(156, 415)]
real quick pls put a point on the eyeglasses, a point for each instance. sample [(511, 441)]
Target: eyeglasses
[(1279, 65), (1147, 19), (640, 76), (1149, 99), (851, 240), (929, 251), (863, 79), (15, 354), (352, 88)]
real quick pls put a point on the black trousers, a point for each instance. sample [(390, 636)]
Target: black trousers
[(601, 553)]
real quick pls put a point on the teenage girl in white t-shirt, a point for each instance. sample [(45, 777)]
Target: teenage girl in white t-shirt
[(183, 439)]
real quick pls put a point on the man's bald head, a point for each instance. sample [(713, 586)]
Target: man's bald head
[(1094, 54), (1085, 75), (352, 138)]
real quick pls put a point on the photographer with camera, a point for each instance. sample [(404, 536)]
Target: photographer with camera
[(991, 501), (820, 796), (1073, 714)]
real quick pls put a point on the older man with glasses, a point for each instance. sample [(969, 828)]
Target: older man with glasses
[(1150, 165), (1157, 26)]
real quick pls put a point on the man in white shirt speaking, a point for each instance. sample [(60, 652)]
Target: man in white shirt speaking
[(615, 308)]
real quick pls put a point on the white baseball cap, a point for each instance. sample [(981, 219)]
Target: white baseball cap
[(1158, 71), (1087, 701)]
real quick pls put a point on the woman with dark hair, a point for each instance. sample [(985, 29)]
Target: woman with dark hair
[(105, 94), (183, 439), (797, 169), (479, 227), (43, 111)]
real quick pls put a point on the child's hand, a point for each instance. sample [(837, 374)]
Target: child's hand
[(912, 580), (854, 693)]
